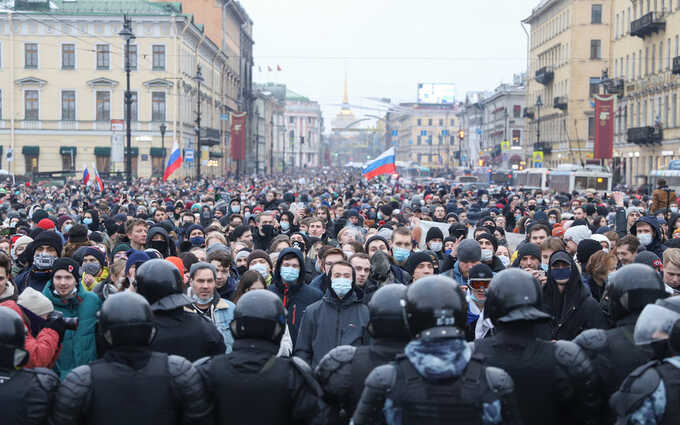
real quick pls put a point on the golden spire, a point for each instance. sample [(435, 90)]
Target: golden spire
[(346, 98)]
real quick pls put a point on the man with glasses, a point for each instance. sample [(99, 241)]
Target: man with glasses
[(478, 325)]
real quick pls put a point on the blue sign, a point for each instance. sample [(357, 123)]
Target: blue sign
[(445, 132), (478, 131), (410, 141), (674, 165), (189, 155), (395, 133), (538, 165), (423, 132), (224, 117)]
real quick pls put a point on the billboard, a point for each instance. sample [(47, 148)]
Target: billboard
[(436, 93)]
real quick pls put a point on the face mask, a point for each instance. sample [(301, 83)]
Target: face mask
[(13, 224), (69, 296), (544, 267), (448, 252), (380, 216), (289, 274), (261, 269), (487, 255), (400, 254), (348, 254), (560, 274), (485, 200), (475, 299), (285, 226), (341, 286), (67, 228), (241, 269), (201, 301), (90, 268), (197, 240), (236, 209), (299, 245), (505, 260), (43, 261), (87, 221), (674, 209), (552, 221), (317, 267), (160, 246), (606, 250), (436, 246), (645, 239), (518, 217)]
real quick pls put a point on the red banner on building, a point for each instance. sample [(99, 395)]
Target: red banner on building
[(238, 136), (604, 127)]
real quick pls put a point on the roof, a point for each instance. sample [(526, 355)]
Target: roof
[(291, 95), (538, 10), (99, 7)]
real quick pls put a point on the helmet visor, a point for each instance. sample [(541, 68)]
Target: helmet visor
[(654, 324)]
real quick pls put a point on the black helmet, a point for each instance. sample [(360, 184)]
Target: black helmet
[(514, 295), (126, 320), (659, 326), (12, 339), (435, 302), (259, 315), (633, 287), (386, 318), (157, 279)]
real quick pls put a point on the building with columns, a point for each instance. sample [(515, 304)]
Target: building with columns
[(304, 126)]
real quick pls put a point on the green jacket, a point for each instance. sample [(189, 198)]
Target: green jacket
[(79, 346)]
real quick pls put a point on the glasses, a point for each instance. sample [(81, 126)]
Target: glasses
[(479, 284)]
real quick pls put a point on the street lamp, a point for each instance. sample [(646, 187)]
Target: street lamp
[(539, 104), (127, 35), (163, 128), (199, 79)]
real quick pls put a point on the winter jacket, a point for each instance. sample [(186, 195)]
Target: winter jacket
[(43, 349), (328, 323), (455, 274), (35, 279), (297, 296), (396, 275), (657, 246), (79, 346), (321, 283), (573, 310), (496, 264), (662, 199), (221, 314)]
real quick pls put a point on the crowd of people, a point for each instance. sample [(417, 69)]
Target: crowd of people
[(331, 299)]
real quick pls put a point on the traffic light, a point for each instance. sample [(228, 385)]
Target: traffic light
[(461, 134)]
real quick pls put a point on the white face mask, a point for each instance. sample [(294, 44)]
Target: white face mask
[(505, 260), (645, 239), (487, 255), (436, 246)]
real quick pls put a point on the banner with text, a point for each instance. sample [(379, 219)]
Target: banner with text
[(604, 127), (238, 136)]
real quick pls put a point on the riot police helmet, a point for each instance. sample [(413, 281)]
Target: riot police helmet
[(12, 339), (385, 316), (514, 295), (259, 315), (157, 279), (126, 320), (659, 323), (631, 288), (435, 307)]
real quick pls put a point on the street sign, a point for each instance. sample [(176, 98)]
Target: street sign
[(445, 132), (224, 117), (9, 155), (117, 125), (537, 156), (395, 133), (538, 165), (189, 155)]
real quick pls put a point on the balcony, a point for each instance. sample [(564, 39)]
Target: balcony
[(645, 135), (676, 65), (560, 102), (647, 25), (545, 75), (614, 86)]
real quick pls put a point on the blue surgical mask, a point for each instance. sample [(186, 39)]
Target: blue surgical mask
[(544, 267), (400, 254), (235, 209), (261, 269), (341, 286), (290, 274), (285, 226), (560, 274), (197, 300), (87, 220), (197, 240), (67, 227)]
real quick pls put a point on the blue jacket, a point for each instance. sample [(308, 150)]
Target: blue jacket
[(221, 314), (455, 274), (79, 346)]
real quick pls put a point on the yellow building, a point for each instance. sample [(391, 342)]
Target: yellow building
[(568, 50), (426, 135), (643, 67), (62, 85)]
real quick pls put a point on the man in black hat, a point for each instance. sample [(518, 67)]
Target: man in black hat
[(469, 255), (41, 253), (420, 264), (489, 245)]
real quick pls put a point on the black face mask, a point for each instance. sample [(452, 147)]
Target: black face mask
[(299, 245), (242, 269), (661, 349), (160, 246)]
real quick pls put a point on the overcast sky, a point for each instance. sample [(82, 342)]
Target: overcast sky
[(387, 46)]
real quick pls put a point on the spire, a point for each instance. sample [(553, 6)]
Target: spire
[(346, 98)]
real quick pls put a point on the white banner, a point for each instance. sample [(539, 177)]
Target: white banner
[(117, 150)]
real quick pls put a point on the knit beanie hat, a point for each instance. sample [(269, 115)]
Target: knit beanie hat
[(46, 224), (34, 301), (120, 247), (491, 238), (135, 258), (177, 263), (586, 248), (96, 253), (21, 241), (416, 258), (38, 215), (202, 265), (577, 233), (651, 259), (375, 238), (469, 251), (78, 233), (49, 239), (67, 264), (258, 253), (529, 249), (434, 233), (62, 219)]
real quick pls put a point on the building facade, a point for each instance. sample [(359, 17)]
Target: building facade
[(569, 47), (62, 85), (644, 69), (304, 127), (268, 133)]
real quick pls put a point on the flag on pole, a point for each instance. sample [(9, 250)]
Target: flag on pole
[(269, 68), (97, 179), (278, 68), (86, 175), (174, 162), (384, 164)]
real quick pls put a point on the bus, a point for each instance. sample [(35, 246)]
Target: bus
[(531, 179), (568, 178), (671, 175)]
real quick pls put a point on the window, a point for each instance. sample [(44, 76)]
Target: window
[(30, 55), (103, 106), (674, 112), (594, 87), (452, 123), (596, 14), (516, 137), (68, 56), (31, 105), (133, 104), (103, 163), (103, 56), (0, 104), (429, 122), (595, 49), (617, 26), (441, 122), (591, 128), (158, 57), (420, 140), (68, 105), (68, 161), (419, 121), (133, 57), (31, 163), (516, 111), (291, 120), (158, 106)]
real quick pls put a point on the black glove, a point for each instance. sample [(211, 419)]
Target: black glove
[(56, 322)]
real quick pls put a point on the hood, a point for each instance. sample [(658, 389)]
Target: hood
[(652, 222), (277, 270), (439, 359), (155, 230)]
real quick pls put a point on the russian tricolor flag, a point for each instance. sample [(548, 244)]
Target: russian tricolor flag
[(384, 164), (86, 176), (174, 162), (97, 179)]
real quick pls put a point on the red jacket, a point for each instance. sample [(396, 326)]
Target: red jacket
[(43, 350)]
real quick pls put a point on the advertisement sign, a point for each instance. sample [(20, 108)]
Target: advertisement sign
[(436, 93), (238, 136), (604, 126)]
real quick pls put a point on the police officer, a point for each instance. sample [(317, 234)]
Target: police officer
[(613, 352), (25, 394), (650, 395), (344, 369), (553, 381), (283, 389), (439, 379), (131, 384), (179, 332)]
